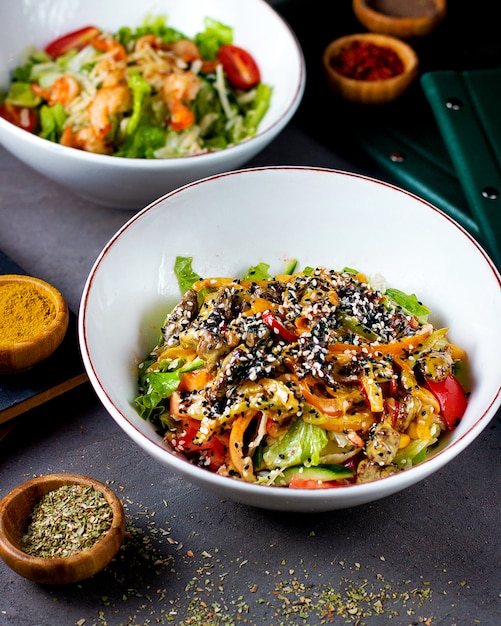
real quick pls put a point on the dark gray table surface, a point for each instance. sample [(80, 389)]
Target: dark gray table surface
[(428, 555)]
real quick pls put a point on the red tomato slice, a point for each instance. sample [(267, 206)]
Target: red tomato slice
[(451, 397), (24, 117), (239, 66), (306, 483), (76, 40), (214, 448)]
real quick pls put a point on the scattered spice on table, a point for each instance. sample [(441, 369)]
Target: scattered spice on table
[(66, 521), (365, 60), (24, 312), (227, 590)]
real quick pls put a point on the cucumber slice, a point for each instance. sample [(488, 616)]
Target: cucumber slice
[(290, 266), (321, 473)]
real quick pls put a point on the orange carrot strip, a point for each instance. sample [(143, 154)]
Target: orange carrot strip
[(195, 380), (406, 344), (242, 464)]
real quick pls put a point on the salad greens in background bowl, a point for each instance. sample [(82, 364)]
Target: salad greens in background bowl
[(122, 102), (432, 278)]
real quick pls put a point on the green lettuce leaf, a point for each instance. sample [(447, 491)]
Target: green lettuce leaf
[(256, 112), (301, 444), (140, 90), (158, 387), (52, 122), (143, 142), (409, 303), (184, 273), (21, 95), (258, 272), (212, 38), (152, 25), (413, 454)]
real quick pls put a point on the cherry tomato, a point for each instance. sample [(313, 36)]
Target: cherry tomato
[(24, 117), (451, 397), (75, 40), (239, 66)]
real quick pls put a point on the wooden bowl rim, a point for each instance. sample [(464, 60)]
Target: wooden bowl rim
[(52, 335), (372, 19), (11, 552), (405, 52)]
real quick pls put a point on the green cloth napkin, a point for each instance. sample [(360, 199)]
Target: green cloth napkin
[(466, 107)]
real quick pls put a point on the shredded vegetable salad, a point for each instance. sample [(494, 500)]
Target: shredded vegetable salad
[(309, 379), (148, 92)]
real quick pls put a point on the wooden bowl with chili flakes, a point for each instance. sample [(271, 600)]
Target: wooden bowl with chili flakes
[(33, 321), (46, 546), (369, 68), (406, 19)]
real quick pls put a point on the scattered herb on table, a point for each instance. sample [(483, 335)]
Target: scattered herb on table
[(166, 572), (66, 521)]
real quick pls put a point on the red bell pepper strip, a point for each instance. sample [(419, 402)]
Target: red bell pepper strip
[(391, 409), (76, 40), (451, 398), (276, 326)]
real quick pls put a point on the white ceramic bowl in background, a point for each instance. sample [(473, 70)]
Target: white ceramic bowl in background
[(321, 217), (133, 183)]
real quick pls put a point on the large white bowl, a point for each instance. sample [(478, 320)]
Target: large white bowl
[(133, 183), (321, 217)]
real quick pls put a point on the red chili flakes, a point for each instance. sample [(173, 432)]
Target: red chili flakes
[(364, 60)]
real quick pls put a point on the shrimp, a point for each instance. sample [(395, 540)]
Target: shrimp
[(152, 60), (109, 44), (107, 102), (111, 69), (62, 91), (85, 139), (177, 89), (148, 40), (186, 49)]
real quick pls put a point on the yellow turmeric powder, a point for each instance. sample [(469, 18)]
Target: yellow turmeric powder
[(24, 312)]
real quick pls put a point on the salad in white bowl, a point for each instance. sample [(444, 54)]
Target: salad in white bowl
[(122, 126), (357, 229), (144, 92), (313, 379)]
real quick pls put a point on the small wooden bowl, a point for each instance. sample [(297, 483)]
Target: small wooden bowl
[(19, 355), (398, 23), (370, 91), (15, 509)]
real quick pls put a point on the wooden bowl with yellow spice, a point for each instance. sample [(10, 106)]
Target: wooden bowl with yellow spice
[(33, 321), (60, 528), (369, 68)]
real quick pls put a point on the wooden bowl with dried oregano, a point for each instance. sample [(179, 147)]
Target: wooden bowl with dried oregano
[(60, 528), (33, 321)]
